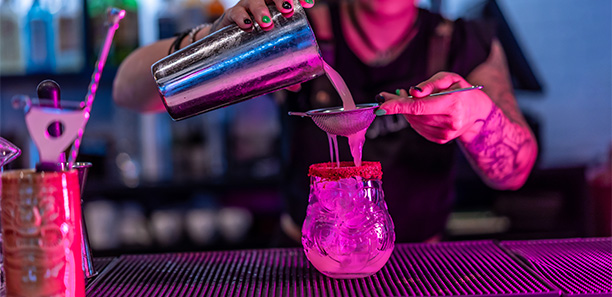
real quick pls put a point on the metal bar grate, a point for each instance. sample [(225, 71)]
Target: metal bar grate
[(576, 266), (100, 264), (479, 268)]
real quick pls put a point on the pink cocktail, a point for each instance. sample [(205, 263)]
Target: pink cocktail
[(348, 232)]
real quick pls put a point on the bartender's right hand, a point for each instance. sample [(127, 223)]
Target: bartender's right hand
[(247, 11)]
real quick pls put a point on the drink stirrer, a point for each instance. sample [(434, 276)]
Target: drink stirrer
[(114, 15)]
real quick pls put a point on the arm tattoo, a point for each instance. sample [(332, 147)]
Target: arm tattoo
[(502, 149)]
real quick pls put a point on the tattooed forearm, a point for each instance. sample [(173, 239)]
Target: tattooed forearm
[(503, 151)]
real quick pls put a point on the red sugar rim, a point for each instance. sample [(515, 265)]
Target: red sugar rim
[(329, 170)]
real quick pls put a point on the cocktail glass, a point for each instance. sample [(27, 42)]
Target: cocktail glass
[(348, 232)]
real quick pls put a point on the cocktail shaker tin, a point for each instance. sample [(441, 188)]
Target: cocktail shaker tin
[(231, 65)]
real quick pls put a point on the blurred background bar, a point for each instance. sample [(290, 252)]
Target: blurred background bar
[(213, 181)]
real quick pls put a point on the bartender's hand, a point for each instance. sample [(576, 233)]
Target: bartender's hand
[(241, 13), (440, 118)]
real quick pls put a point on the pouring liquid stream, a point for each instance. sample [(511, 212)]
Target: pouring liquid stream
[(356, 140), (333, 148)]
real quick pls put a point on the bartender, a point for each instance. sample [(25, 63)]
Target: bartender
[(398, 54)]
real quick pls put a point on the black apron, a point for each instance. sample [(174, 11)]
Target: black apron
[(418, 175)]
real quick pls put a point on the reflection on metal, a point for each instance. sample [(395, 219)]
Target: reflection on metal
[(231, 65), (475, 268)]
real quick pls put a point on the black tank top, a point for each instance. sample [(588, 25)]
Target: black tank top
[(418, 177)]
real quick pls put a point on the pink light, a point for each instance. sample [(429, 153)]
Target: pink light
[(66, 197), (65, 228), (69, 273)]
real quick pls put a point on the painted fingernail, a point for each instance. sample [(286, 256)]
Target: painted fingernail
[(416, 88), (380, 112), (398, 91), (265, 19), (380, 98), (247, 21), (308, 1), (286, 5)]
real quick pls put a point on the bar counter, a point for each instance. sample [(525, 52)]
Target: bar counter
[(561, 267)]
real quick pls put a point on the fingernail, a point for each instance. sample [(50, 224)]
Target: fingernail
[(247, 21), (308, 1), (397, 92), (380, 112), (265, 19), (416, 88), (380, 98), (286, 5)]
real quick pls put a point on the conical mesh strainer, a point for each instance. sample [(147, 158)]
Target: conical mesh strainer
[(337, 121)]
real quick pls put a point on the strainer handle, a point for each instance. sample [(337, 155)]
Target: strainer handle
[(297, 113), (477, 87)]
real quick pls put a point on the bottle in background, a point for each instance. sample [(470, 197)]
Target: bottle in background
[(12, 61), (69, 37), (192, 13), (167, 17), (40, 53), (214, 10), (126, 38)]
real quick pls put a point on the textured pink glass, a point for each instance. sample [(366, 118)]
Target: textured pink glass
[(41, 229), (348, 232)]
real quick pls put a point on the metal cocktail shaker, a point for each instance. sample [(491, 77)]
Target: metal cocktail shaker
[(231, 65)]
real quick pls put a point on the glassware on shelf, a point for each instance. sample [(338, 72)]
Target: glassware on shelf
[(69, 38), (167, 18), (12, 60), (214, 10), (348, 232), (126, 39), (40, 49)]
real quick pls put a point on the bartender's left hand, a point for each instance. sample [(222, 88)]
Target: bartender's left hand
[(440, 118)]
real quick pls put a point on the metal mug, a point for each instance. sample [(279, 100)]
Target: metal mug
[(231, 65), (89, 269), (82, 169)]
